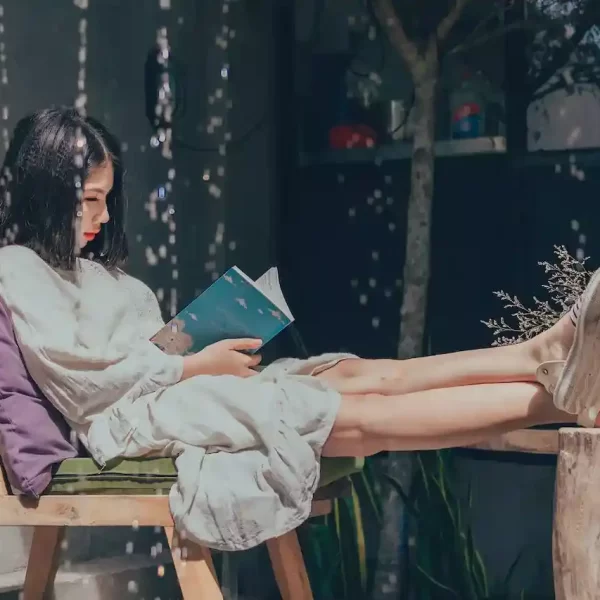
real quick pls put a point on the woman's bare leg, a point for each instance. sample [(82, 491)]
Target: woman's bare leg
[(439, 418), (516, 363)]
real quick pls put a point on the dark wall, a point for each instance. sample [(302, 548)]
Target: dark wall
[(494, 218), (493, 221), (41, 46), (340, 258), (344, 256)]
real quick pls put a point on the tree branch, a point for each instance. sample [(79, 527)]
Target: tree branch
[(588, 18), (488, 37), (387, 17), (467, 41), (448, 22)]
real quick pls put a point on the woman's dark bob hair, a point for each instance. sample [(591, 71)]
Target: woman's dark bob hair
[(38, 194)]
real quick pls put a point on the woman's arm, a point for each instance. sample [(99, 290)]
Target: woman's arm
[(79, 337), (226, 357)]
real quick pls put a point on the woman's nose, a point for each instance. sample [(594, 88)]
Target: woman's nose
[(104, 216)]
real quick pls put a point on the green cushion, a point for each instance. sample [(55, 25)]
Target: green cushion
[(153, 475)]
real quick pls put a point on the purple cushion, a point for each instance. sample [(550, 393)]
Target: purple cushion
[(34, 437)]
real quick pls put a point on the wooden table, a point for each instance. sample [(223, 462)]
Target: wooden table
[(576, 527)]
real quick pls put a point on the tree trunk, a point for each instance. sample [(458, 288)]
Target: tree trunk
[(392, 559), (418, 228)]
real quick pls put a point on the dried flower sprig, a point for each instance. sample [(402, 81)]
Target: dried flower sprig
[(566, 282)]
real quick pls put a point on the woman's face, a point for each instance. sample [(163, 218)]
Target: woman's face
[(97, 186)]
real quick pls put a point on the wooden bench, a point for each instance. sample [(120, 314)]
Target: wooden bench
[(69, 505), (576, 527)]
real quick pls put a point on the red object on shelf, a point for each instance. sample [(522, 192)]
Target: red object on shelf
[(342, 137)]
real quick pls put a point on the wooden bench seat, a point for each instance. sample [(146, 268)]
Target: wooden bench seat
[(135, 493)]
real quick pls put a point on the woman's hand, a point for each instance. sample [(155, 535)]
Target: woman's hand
[(223, 358)]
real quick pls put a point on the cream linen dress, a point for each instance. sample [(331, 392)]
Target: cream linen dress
[(247, 450)]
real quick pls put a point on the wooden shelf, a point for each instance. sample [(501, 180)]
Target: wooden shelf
[(403, 151), (530, 441)]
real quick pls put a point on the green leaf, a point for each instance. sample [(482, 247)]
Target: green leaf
[(338, 531), (512, 568), (446, 559), (423, 472), (371, 496), (408, 504), (437, 583), (477, 567), (349, 545), (360, 540)]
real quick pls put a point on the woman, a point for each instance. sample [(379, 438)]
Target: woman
[(247, 449)]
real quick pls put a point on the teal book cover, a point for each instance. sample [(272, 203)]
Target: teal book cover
[(233, 307)]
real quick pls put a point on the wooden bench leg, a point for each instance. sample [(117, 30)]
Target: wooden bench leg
[(289, 568), (195, 569), (576, 535), (43, 562)]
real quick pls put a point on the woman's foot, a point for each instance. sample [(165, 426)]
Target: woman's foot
[(550, 350), (574, 382), (554, 344)]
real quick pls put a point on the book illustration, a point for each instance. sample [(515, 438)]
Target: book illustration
[(173, 339), (277, 314), (233, 307)]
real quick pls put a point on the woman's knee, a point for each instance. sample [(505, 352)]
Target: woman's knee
[(349, 367), (347, 370), (349, 435)]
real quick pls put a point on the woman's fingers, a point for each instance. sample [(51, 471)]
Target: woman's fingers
[(248, 364), (245, 344), (245, 372), (253, 360)]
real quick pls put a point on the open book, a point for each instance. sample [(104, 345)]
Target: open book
[(233, 307)]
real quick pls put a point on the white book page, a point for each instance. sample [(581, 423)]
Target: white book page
[(268, 284)]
